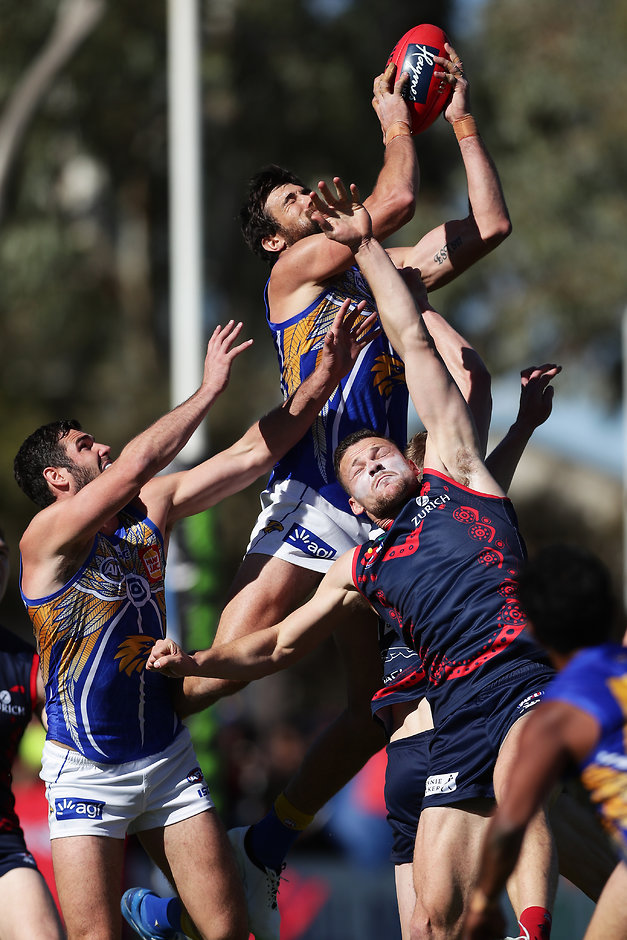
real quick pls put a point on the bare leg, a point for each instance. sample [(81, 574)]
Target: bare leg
[(534, 881), (88, 874), (264, 591), (27, 911), (451, 836), (196, 854), (610, 916), (342, 749), (405, 896)]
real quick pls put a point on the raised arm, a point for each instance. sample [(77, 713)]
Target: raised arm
[(464, 363), (392, 201), (454, 246), (274, 648), (536, 404), (309, 262), (452, 441), (58, 537), (172, 496)]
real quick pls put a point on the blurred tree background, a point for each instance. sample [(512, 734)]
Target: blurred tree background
[(83, 198)]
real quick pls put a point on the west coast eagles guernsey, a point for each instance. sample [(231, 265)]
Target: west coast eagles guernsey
[(94, 636), (373, 395), (443, 576), (595, 680)]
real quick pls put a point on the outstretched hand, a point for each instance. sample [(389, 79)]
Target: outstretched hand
[(221, 354), (387, 98), (341, 216), (536, 394), (452, 73), (349, 333)]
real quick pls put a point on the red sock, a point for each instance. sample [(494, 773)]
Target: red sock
[(535, 923)]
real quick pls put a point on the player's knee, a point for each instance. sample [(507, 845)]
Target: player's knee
[(420, 926), (231, 925), (436, 918)]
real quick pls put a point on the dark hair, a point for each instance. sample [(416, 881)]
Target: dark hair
[(256, 222), (566, 594), (40, 450), (353, 438)]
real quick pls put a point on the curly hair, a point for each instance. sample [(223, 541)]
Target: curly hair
[(255, 221), (42, 449)]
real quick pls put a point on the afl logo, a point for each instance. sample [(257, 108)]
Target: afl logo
[(110, 571), (137, 590)]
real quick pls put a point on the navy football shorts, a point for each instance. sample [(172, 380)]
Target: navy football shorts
[(405, 774), (13, 853), (467, 738)]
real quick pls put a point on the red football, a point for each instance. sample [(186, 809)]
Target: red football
[(414, 53)]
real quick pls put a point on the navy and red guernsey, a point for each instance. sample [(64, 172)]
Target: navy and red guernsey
[(18, 692), (404, 677), (443, 575)]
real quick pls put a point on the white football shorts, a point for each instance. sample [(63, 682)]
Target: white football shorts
[(90, 799), (300, 526)]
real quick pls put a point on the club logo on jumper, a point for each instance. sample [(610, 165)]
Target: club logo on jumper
[(419, 63), (67, 808), (309, 543), (441, 783), (6, 705), (530, 702), (273, 526), (137, 589)]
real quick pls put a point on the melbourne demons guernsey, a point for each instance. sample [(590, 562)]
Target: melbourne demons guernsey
[(595, 680), (18, 693), (404, 677), (443, 576), (94, 636), (373, 395)]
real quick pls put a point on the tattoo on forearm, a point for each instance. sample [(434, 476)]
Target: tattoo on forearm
[(447, 249)]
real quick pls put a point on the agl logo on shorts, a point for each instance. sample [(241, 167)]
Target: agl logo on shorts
[(309, 543), (67, 808)]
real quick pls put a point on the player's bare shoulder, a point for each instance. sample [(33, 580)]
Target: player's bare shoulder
[(301, 274), (339, 577)]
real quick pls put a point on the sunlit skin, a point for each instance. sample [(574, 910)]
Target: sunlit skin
[(378, 477), (87, 458), (290, 206)]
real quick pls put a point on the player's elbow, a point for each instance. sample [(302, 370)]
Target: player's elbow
[(393, 211), (257, 461), (406, 203), (249, 458), (402, 206), (496, 230), (138, 469)]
